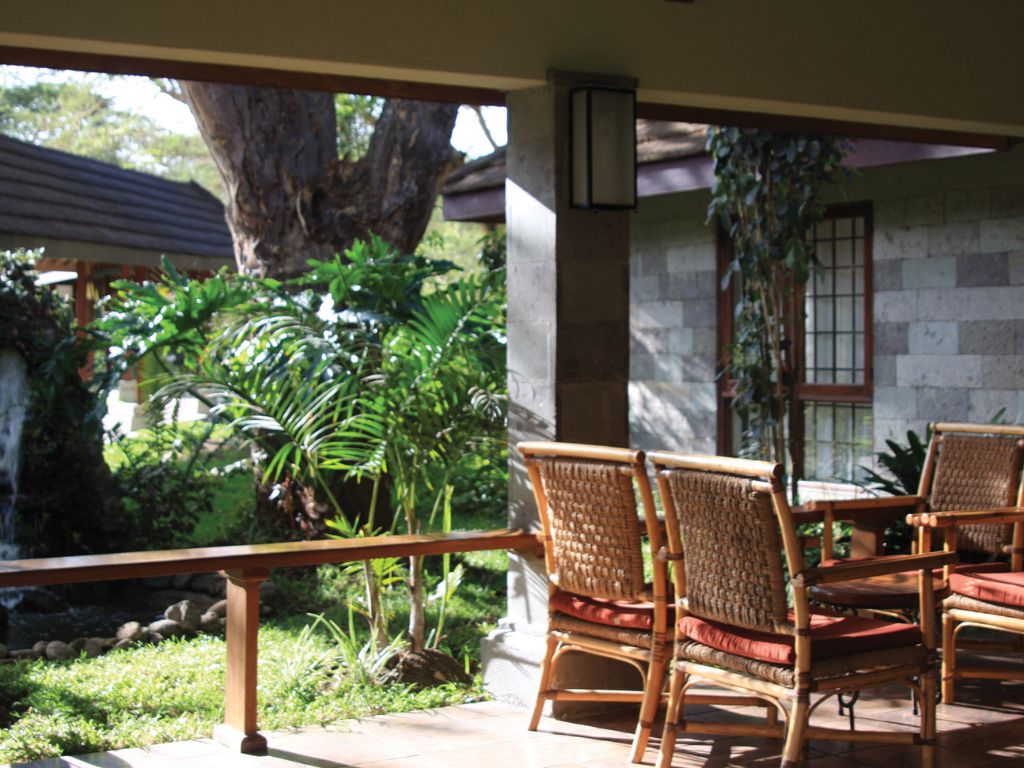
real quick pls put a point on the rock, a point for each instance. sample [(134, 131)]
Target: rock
[(186, 613), (154, 638), (165, 628), (4, 616), (120, 645), (57, 650), (270, 595), (39, 649), (93, 647), (209, 583), (78, 644), (220, 608), (211, 623), (3, 651), (131, 630), (106, 643), (427, 668), (24, 653), (158, 582), (181, 581)]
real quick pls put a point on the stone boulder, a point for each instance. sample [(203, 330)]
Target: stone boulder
[(211, 623), (209, 583), (57, 650), (186, 613), (220, 608), (131, 631), (165, 628)]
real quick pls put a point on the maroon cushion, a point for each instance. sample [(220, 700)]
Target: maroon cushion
[(613, 613), (832, 634), (1001, 588)]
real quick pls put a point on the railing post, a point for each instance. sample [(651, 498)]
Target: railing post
[(240, 729)]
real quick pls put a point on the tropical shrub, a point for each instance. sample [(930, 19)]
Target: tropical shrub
[(363, 386)]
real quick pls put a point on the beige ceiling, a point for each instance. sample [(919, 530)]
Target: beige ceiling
[(934, 64)]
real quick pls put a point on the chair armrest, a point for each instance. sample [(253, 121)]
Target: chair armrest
[(953, 518), (862, 569)]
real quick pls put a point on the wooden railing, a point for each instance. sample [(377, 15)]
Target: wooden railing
[(245, 567)]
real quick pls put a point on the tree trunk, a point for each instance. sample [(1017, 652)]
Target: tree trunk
[(289, 197)]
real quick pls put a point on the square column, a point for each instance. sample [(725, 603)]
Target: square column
[(568, 345)]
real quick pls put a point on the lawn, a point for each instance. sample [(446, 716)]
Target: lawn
[(175, 690)]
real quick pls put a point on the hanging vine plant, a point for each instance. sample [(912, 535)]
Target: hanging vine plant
[(765, 195)]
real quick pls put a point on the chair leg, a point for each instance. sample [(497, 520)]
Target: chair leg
[(649, 708), (796, 731), (948, 658), (675, 706), (927, 705), (547, 670)]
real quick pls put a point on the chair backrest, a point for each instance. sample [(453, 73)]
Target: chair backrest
[(975, 466), (588, 507), (720, 517)]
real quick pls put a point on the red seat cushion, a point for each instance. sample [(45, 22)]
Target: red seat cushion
[(612, 613), (832, 634), (1001, 588)]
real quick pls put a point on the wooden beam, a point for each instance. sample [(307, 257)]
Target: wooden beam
[(256, 76), (689, 114)]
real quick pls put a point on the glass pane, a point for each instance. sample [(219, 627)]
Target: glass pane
[(858, 226), (822, 316), (845, 313), (844, 227), (838, 441), (844, 281), (844, 253)]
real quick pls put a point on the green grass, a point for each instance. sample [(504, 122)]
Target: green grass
[(175, 691)]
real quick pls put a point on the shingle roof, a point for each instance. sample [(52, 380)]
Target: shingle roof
[(48, 193), (656, 140)]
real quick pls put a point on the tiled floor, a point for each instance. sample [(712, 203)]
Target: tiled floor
[(985, 729)]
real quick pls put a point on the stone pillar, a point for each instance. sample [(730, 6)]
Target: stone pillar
[(568, 351)]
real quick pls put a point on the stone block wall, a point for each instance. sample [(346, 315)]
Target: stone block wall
[(949, 296), (948, 256), (672, 325)]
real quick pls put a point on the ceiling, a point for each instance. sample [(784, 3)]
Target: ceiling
[(932, 65)]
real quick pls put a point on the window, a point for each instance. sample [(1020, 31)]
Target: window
[(831, 415)]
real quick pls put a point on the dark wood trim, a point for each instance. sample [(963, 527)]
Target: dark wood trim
[(257, 76), (690, 114)]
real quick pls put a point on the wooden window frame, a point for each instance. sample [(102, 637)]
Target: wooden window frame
[(829, 393)]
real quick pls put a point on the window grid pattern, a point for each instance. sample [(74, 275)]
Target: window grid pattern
[(834, 304), (837, 440)]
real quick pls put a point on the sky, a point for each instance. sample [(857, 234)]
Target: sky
[(139, 94)]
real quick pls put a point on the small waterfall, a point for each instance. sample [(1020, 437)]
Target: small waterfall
[(13, 405)]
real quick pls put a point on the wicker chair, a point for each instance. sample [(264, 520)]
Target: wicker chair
[(727, 523), (599, 602), (993, 601), (968, 466)]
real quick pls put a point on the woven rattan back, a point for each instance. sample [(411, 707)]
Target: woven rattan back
[(731, 548), (978, 472), (595, 531)]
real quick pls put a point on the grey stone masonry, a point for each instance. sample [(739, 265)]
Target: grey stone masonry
[(949, 292), (673, 313)]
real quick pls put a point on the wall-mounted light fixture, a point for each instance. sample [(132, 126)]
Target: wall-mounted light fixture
[(603, 148)]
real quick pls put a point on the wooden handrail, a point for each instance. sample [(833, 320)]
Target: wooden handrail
[(170, 562), (246, 567)]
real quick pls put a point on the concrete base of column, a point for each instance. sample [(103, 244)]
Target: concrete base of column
[(511, 657)]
